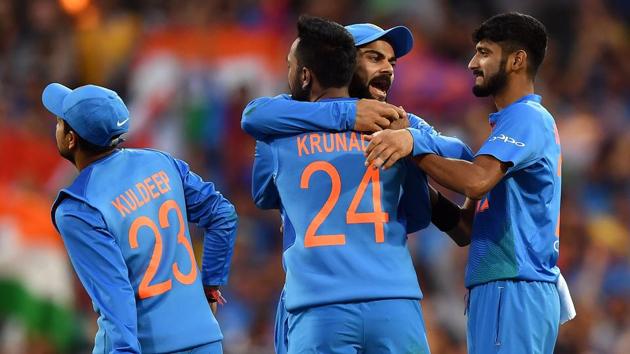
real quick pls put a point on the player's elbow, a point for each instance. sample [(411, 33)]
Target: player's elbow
[(463, 242), (476, 188), (249, 122)]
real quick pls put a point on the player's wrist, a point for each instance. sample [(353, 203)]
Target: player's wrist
[(445, 214), (422, 143), (213, 294)]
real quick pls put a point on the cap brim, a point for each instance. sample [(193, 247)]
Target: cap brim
[(53, 97), (399, 37)]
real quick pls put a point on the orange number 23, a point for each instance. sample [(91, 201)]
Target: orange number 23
[(376, 217), (146, 289)]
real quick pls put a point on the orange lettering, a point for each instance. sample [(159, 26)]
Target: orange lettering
[(132, 195), (121, 208), (327, 147), (364, 143), (122, 196), (144, 192), (165, 179), (158, 182), (151, 187), (354, 142), (315, 139), (301, 145), (481, 207), (341, 142)]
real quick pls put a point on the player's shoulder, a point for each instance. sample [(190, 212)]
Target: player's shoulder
[(418, 122), (530, 110), (68, 205), (147, 152)]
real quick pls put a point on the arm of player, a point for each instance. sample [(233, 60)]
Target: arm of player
[(445, 146), (264, 190), (266, 117), (207, 208), (101, 268), (511, 146), (452, 219)]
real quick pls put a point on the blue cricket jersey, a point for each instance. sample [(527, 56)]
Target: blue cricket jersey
[(345, 225), (515, 231), (270, 117), (124, 221)]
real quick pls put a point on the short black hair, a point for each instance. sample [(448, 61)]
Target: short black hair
[(515, 31), (86, 145), (326, 48)]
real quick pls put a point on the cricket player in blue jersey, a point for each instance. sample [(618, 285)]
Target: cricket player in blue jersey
[(350, 284), (124, 222), (377, 53), (514, 306)]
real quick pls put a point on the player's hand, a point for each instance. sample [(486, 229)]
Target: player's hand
[(373, 115), (214, 296), (400, 123), (387, 147)]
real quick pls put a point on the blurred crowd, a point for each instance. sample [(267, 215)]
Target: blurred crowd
[(187, 68)]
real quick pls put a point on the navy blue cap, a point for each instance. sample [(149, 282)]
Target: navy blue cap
[(399, 37), (97, 114)]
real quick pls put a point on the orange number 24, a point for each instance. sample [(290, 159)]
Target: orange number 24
[(377, 217), (146, 289)]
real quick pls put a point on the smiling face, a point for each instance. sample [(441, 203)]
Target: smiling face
[(488, 66), (375, 71)]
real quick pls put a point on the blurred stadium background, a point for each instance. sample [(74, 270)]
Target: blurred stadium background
[(186, 68)]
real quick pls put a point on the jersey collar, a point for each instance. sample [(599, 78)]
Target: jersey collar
[(493, 117)]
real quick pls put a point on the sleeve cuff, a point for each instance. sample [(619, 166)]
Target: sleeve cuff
[(422, 143), (348, 115)]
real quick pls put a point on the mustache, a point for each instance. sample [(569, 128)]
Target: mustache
[(382, 81), (477, 73)]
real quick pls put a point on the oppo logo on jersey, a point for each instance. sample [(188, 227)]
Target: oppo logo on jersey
[(142, 193), (506, 139)]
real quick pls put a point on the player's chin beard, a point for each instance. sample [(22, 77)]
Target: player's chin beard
[(493, 84), (66, 154), (358, 88), (300, 93)]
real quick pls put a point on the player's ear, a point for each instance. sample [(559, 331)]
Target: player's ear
[(518, 60), (72, 139), (306, 77)]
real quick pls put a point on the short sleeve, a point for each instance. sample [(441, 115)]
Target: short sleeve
[(516, 138)]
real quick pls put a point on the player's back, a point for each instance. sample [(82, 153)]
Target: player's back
[(140, 195), (349, 236)]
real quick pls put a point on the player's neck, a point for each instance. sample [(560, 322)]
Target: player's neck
[(81, 160), (516, 88), (331, 92)]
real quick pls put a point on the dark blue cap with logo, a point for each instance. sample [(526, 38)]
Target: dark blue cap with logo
[(97, 114), (399, 37)]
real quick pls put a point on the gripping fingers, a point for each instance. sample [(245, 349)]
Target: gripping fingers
[(375, 153), (374, 141), (382, 123), (383, 160), (393, 158)]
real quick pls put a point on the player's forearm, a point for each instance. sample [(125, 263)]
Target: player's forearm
[(453, 148), (272, 116), (218, 247), (462, 232), (450, 218), (458, 175)]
